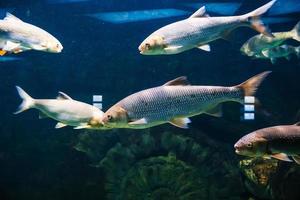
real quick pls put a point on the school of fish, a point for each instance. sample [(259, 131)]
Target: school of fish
[(175, 101)]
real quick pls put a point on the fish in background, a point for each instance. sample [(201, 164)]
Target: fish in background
[(198, 30), (64, 109), (280, 142), (256, 44), (17, 36), (283, 51), (174, 102)]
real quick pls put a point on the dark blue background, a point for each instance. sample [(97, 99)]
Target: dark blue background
[(102, 58)]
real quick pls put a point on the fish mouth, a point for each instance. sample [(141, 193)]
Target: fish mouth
[(141, 49), (237, 151)]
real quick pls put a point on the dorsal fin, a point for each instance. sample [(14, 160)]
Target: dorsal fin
[(199, 13), (63, 96), (10, 16), (182, 80)]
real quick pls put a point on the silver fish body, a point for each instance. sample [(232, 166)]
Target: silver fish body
[(174, 102), (64, 109), (161, 104), (198, 30), (18, 36), (278, 142), (70, 112)]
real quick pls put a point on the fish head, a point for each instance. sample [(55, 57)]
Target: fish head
[(96, 120), (53, 46), (252, 145), (45, 42), (153, 45), (246, 50), (115, 117)]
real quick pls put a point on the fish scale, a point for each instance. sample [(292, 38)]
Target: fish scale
[(165, 102)]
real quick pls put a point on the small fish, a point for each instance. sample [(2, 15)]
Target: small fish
[(174, 102), (17, 36), (258, 43), (283, 51), (278, 142), (64, 109), (198, 30)]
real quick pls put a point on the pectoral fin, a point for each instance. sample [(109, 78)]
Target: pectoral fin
[(297, 159), (85, 126), (42, 115), (38, 47), (205, 47), (139, 122), (282, 156), (172, 49), (60, 125), (180, 122), (2, 52), (216, 111), (11, 46)]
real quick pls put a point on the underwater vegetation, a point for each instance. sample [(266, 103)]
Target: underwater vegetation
[(271, 179), (164, 165)]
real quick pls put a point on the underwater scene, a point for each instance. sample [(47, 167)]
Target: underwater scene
[(150, 100)]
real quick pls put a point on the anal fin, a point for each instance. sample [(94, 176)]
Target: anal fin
[(282, 156), (180, 122)]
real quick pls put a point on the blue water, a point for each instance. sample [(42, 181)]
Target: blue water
[(100, 57)]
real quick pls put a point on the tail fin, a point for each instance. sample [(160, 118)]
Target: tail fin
[(250, 86), (296, 32), (255, 21), (28, 101)]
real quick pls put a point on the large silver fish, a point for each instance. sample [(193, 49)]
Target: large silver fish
[(64, 109), (278, 142), (198, 30), (255, 45), (17, 36), (174, 102)]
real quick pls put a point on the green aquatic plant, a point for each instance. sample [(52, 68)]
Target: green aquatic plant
[(163, 177), (164, 166)]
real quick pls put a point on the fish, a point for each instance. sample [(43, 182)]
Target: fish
[(64, 109), (279, 142), (198, 30), (174, 102), (17, 36), (256, 44), (283, 51)]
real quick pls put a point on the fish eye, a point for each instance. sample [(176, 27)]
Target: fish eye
[(109, 117), (57, 46), (249, 145), (147, 45)]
